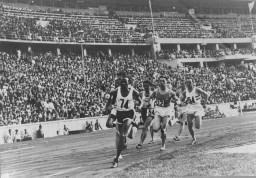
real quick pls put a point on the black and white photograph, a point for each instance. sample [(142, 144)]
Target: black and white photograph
[(127, 88)]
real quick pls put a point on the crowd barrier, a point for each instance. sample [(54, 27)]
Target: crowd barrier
[(50, 128), (229, 109), (224, 110), (249, 110)]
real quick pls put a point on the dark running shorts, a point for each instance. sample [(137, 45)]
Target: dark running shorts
[(144, 114), (121, 115)]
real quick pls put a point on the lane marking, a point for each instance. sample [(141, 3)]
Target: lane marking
[(7, 151), (62, 172)]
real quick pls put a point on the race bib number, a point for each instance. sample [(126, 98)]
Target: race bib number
[(162, 103), (190, 100), (124, 103)]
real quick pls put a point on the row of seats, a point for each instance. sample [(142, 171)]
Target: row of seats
[(29, 25)]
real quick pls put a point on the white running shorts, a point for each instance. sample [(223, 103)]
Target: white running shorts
[(164, 111), (196, 109)]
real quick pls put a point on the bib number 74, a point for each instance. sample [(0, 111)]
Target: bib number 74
[(124, 103)]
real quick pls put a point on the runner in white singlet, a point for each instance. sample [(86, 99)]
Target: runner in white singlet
[(124, 97), (146, 114), (193, 108)]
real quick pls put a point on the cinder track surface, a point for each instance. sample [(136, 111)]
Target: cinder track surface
[(91, 155)]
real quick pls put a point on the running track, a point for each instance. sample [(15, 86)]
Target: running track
[(90, 155)]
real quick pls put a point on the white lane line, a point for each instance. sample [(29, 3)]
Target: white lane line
[(62, 172), (7, 151)]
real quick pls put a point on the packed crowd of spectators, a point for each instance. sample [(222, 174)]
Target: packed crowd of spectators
[(35, 25), (228, 27), (47, 87)]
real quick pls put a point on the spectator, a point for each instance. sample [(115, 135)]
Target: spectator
[(245, 106), (26, 136), (40, 133), (17, 136), (97, 125), (65, 130), (9, 138), (88, 127)]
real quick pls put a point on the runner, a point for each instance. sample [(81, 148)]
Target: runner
[(193, 108), (124, 97), (179, 115), (111, 108), (163, 110), (146, 114)]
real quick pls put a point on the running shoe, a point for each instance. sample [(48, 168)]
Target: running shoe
[(115, 164), (173, 121), (151, 142), (193, 142), (176, 139), (162, 148), (120, 157), (139, 146)]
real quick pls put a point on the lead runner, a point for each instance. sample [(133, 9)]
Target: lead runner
[(124, 97)]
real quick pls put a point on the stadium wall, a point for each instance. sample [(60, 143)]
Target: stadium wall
[(204, 40), (50, 128)]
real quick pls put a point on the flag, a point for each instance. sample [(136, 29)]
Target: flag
[(251, 5), (149, 2)]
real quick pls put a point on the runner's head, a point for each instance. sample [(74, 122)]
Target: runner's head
[(118, 78), (146, 85), (189, 83), (162, 81), (124, 82)]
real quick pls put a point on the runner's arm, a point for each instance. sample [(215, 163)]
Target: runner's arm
[(203, 93), (174, 96), (136, 96), (183, 98), (152, 96), (111, 100)]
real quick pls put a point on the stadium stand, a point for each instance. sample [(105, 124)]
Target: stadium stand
[(44, 86)]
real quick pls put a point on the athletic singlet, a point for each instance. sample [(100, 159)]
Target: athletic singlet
[(163, 100), (192, 97), (145, 99), (124, 103)]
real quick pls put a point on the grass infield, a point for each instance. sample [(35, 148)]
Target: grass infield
[(194, 161)]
